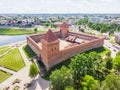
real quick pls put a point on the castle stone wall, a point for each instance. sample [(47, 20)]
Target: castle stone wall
[(70, 52)]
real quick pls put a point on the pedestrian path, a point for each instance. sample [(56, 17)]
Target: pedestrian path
[(22, 75), (6, 52), (7, 70)]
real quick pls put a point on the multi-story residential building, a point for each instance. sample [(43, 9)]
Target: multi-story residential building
[(117, 37)]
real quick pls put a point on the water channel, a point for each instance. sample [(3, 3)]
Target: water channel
[(4, 40)]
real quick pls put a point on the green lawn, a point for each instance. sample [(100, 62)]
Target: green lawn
[(101, 50), (4, 49), (12, 60), (28, 51), (4, 76), (11, 31), (15, 31)]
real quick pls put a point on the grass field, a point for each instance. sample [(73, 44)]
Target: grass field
[(4, 49), (4, 76), (14, 31), (12, 60), (28, 51), (101, 50), (11, 31)]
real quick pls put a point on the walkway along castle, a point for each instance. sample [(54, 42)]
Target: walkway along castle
[(55, 47)]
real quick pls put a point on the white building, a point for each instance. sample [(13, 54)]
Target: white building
[(117, 37), (116, 21), (105, 35), (95, 19)]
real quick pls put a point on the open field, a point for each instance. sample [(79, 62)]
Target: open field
[(4, 76), (4, 49), (14, 31), (17, 31), (28, 51), (12, 60), (101, 50)]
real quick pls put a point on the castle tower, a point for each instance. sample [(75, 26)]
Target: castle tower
[(50, 47), (64, 29)]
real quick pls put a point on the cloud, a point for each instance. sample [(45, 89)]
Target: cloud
[(59, 6), (107, 0)]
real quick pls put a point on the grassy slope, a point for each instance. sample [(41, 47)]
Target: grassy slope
[(3, 76), (17, 31), (14, 31), (101, 50), (28, 51), (12, 60), (4, 49)]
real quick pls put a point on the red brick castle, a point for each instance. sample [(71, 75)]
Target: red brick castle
[(55, 47)]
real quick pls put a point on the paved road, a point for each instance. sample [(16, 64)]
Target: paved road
[(111, 47)]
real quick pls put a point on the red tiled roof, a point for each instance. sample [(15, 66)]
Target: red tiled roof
[(71, 38), (50, 36)]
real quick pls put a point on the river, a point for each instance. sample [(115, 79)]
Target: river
[(4, 40)]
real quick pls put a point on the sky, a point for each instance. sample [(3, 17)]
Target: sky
[(59, 6)]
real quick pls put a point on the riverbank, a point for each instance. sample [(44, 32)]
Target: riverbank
[(9, 31), (5, 40), (6, 30)]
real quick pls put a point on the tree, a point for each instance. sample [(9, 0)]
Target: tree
[(60, 79), (83, 64), (54, 26), (47, 23), (118, 53), (82, 21), (69, 88), (111, 31), (82, 30), (33, 72), (35, 30), (108, 60), (116, 63), (78, 66), (112, 82), (108, 53), (98, 27), (88, 83)]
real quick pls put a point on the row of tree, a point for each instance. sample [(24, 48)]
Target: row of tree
[(99, 26), (87, 72)]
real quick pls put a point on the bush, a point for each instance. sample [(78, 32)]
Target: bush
[(16, 81), (108, 53), (118, 53), (116, 63), (16, 88)]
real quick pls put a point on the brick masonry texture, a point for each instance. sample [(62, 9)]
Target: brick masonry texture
[(47, 46)]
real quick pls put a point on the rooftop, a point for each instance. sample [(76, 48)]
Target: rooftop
[(50, 36)]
